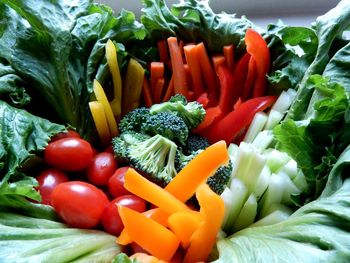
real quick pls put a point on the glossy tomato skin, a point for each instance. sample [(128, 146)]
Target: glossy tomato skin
[(116, 182), (79, 204), (101, 168), (111, 220), (48, 179), (68, 134), (69, 154)]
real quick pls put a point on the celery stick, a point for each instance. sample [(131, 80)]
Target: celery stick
[(248, 213), (276, 159), (239, 197), (273, 218), (262, 183), (290, 168), (290, 188), (244, 156), (273, 194), (256, 166), (284, 101), (273, 119), (227, 196), (300, 181), (263, 140), (256, 126)]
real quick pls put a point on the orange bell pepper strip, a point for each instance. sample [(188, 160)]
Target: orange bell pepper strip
[(197, 171), (150, 235), (180, 79), (258, 49), (203, 240), (155, 214), (184, 224), (191, 54), (153, 193)]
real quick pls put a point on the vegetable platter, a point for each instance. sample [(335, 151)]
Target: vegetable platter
[(181, 135)]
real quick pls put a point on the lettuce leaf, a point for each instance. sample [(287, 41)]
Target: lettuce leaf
[(317, 232)]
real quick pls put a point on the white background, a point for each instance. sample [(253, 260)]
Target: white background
[(292, 12)]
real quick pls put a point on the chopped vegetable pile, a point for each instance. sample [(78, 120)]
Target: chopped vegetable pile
[(186, 136)]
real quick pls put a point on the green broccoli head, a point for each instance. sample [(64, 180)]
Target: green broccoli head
[(168, 125), (153, 156), (182, 159), (196, 142), (192, 113), (133, 120), (220, 179)]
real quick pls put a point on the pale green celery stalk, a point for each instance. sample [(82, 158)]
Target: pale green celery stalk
[(273, 119), (272, 218), (256, 126), (262, 183), (247, 215), (227, 196), (290, 188), (273, 194), (300, 181), (263, 140), (276, 159), (239, 196), (244, 156), (284, 101), (290, 168)]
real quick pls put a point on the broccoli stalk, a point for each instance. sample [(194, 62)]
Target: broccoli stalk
[(152, 156), (192, 113)]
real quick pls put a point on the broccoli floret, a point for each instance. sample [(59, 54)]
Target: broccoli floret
[(220, 179), (121, 144), (182, 159), (153, 156), (192, 113), (168, 125), (133, 120), (196, 142)]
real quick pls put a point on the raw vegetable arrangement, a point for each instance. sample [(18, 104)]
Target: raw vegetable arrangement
[(186, 136)]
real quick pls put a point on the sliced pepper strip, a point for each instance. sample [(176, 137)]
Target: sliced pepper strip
[(258, 49), (232, 124), (150, 235), (228, 92), (213, 209), (240, 76)]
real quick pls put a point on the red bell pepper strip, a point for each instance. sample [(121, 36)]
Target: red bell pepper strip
[(232, 124), (203, 99), (240, 75), (218, 60), (146, 93), (157, 72), (258, 49), (179, 73), (229, 53), (228, 93), (213, 114), (249, 83), (163, 51)]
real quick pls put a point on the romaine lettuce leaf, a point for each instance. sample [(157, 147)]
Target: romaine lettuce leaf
[(317, 232)]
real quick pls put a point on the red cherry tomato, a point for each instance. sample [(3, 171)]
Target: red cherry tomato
[(68, 134), (111, 220), (48, 180), (79, 204), (69, 154), (116, 183), (101, 168)]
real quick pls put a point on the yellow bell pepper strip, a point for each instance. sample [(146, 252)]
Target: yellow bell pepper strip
[(186, 182), (150, 235), (145, 258), (184, 224), (133, 86), (102, 98), (212, 207), (100, 120), (153, 193), (112, 61), (155, 214)]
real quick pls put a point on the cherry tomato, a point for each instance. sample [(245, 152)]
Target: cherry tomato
[(48, 180), (79, 204), (116, 183), (68, 134), (111, 220), (69, 154), (101, 168)]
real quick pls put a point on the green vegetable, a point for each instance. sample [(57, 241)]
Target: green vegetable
[(220, 179), (192, 113), (123, 258), (195, 142), (316, 232), (134, 120), (168, 125), (154, 156)]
